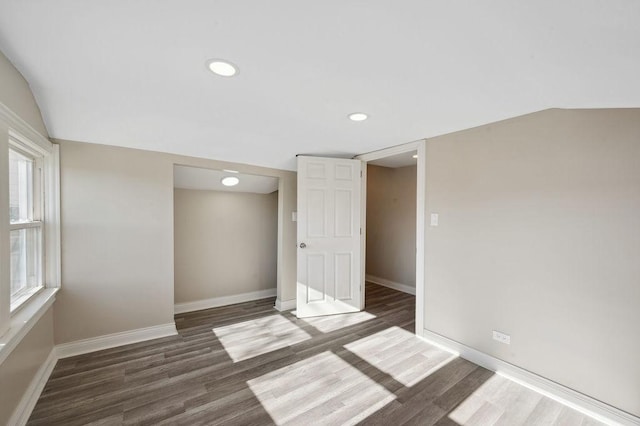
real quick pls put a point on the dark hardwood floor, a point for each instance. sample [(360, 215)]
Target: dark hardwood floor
[(248, 364)]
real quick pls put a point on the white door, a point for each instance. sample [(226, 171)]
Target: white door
[(329, 233)]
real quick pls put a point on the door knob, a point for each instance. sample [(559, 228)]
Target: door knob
[(302, 245)]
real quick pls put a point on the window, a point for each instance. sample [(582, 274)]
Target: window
[(26, 226), (29, 228)]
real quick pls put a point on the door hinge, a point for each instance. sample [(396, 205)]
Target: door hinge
[(360, 231)]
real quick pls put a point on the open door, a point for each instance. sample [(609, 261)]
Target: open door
[(329, 234)]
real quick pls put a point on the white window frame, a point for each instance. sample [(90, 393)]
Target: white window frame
[(15, 323), (37, 221)]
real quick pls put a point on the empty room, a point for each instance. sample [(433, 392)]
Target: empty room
[(332, 213)]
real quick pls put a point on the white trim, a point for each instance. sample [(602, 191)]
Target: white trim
[(15, 226), (421, 237), (25, 146), (23, 320), (391, 284), (23, 130), (30, 397), (285, 305), (216, 302), (108, 341), (22, 297), (562, 394), (363, 232), (421, 208), (280, 241), (52, 266), (389, 152)]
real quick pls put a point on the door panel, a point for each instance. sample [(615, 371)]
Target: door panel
[(343, 213), (343, 275), (316, 277), (316, 214), (329, 273)]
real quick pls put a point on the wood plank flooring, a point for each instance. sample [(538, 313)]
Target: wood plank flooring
[(248, 364)]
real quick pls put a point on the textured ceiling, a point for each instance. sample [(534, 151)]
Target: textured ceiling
[(132, 73)]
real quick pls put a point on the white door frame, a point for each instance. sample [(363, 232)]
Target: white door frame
[(421, 212)]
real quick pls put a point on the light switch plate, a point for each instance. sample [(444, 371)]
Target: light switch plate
[(434, 219), (501, 337), (294, 216)]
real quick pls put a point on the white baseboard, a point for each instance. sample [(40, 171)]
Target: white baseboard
[(28, 401), (216, 302), (285, 305), (391, 284), (99, 343), (564, 395)]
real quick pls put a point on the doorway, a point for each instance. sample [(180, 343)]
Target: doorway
[(225, 237), (390, 259), (387, 165)]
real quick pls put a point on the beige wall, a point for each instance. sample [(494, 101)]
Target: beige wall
[(391, 224), (225, 243), (16, 94), (117, 242), (19, 369), (539, 237), (117, 238)]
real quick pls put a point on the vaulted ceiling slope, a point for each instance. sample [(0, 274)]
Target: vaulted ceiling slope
[(132, 73)]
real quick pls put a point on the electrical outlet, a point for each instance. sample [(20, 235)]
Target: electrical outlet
[(501, 337)]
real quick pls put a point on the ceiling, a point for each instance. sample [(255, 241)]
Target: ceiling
[(186, 177), (132, 73), (404, 159)]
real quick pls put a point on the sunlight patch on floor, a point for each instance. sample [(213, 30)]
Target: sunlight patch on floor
[(249, 339), (476, 409), (323, 387), (500, 400), (401, 354), (329, 323)]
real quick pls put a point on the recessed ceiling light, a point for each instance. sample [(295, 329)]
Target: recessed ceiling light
[(415, 155), (230, 181), (358, 116), (222, 68)]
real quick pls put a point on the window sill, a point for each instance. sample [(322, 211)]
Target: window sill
[(23, 299), (24, 319)]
